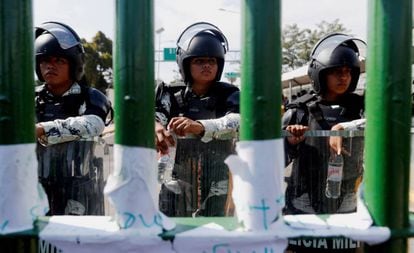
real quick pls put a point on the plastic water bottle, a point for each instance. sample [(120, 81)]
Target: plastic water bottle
[(334, 178), (165, 169), (166, 166)]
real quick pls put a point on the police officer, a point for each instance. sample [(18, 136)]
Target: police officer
[(334, 69), (67, 111), (204, 113)]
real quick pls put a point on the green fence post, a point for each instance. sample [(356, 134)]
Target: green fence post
[(261, 78), (16, 73), (388, 112), (134, 74), (260, 105), (134, 149), (16, 95)]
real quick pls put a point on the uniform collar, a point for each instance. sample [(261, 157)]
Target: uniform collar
[(74, 89)]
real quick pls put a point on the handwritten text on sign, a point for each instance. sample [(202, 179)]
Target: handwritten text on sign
[(131, 219)]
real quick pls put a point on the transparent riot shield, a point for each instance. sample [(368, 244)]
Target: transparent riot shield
[(200, 179), (318, 180), (73, 176)]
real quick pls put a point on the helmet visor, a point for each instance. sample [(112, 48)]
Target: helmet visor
[(191, 31), (332, 42), (64, 36)]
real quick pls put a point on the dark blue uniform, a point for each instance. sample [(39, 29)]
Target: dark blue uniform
[(306, 183), (199, 166), (68, 169)]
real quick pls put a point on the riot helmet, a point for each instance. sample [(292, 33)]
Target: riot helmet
[(201, 39), (336, 50), (58, 39)]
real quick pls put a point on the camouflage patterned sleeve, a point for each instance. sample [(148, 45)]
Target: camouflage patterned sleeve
[(72, 128), (226, 127), (358, 124)]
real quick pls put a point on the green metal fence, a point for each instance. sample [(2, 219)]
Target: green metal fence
[(388, 95)]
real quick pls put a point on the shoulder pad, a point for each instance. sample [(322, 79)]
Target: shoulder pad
[(170, 87), (97, 96), (288, 117), (99, 100), (302, 101), (233, 101)]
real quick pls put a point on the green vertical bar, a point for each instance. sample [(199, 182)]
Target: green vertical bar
[(261, 82), (134, 73), (16, 72), (388, 112), (16, 92)]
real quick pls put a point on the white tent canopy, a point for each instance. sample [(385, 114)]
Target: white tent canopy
[(295, 77)]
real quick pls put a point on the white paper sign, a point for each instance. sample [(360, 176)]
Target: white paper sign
[(212, 238), (257, 173), (357, 226), (132, 191), (22, 198), (89, 234)]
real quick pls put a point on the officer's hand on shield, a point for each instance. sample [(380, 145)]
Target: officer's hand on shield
[(40, 131), (297, 132), (183, 126), (163, 138), (335, 142)]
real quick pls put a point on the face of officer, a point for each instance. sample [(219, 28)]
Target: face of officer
[(203, 70), (55, 71), (338, 81)]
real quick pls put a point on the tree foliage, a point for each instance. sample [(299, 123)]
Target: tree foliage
[(297, 43), (98, 61)]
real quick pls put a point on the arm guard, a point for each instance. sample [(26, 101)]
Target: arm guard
[(357, 124), (72, 128), (223, 128)]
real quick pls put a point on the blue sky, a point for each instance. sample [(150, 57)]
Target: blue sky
[(175, 15)]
